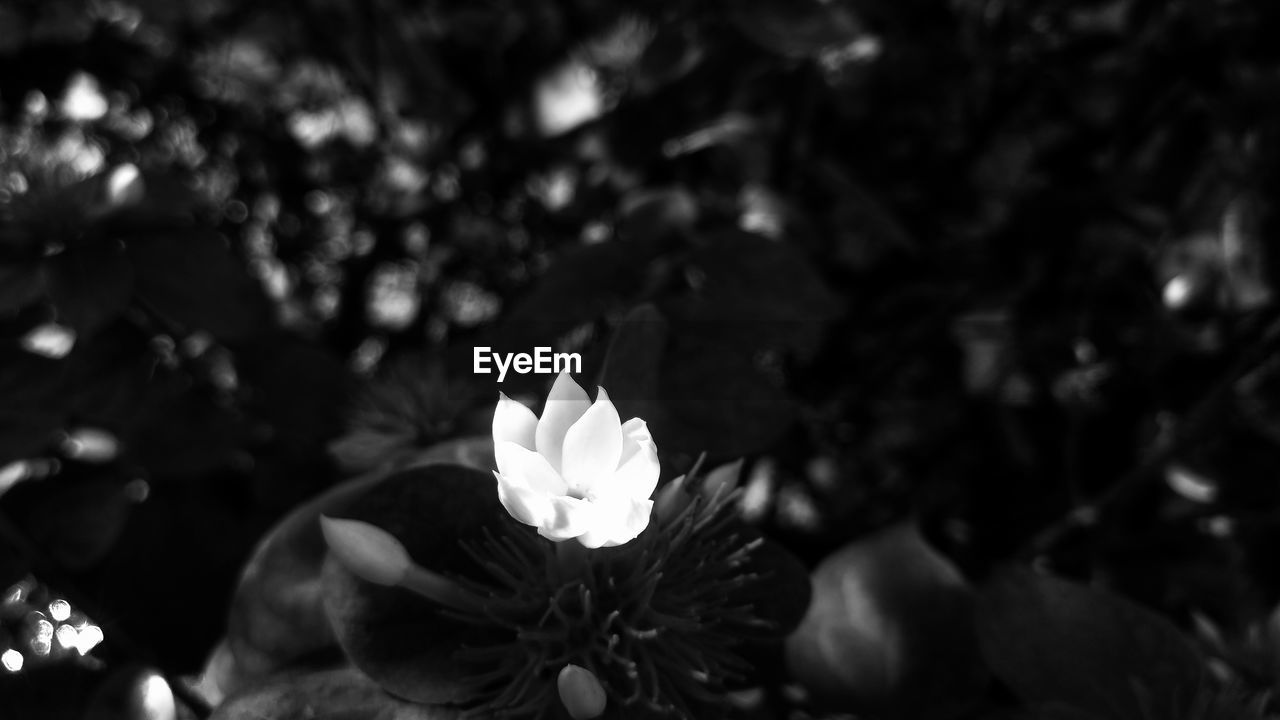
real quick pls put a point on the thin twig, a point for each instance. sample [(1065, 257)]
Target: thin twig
[(1202, 415)]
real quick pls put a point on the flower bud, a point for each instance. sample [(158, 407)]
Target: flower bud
[(581, 692), (723, 479), (671, 499), (369, 552)]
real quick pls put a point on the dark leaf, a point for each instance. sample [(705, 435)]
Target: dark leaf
[(717, 401), (582, 285), (343, 694), (186, 433), (299, 391), (633, 362), (277, 612), (193, 280), (405, 642), (110, 379), (654, 212), (783, 595), (863, 229), (797, 28), (35, 403), (673, 52), (1053, 641), (90, 286), (890, 631), (755, 294), (20, 285), (75, 521)]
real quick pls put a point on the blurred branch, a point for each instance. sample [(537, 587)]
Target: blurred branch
[(1205, 414)]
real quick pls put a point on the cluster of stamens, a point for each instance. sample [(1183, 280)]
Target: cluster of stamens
[(655, 620)]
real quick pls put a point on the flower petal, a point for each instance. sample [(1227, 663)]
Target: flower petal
[(566, 403), (635, 433), (592, 447), (570, 518), (617, 521), (633, 522), (523, 503), (637, 476), (518, 463), (513, 422)]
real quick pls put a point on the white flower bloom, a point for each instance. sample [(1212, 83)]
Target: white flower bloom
[(579, 471)]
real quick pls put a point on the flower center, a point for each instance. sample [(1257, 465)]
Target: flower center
[(655, 620)]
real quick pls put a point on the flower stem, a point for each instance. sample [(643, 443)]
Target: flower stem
[(443, 591), (437, 588)]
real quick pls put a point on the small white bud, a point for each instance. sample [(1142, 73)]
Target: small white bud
[(90, 445), (581, 692), (369, 552)]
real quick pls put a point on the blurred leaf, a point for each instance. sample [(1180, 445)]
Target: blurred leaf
[(674, 51), (343, 694), (1243, 253), (366, 448), (299, 390), (75, 521), (864, 230), (35, 404), (783, 595), (890, 631), (109, 379), (154, 203), (1053, 641), (716, 400), (20, 284), (58, 690), (797, 29), (406, 643), (582, 285), (633, 363), (654, 212), (192, 279), (185, 433), (90, 286), (755, 294), (277, 613)]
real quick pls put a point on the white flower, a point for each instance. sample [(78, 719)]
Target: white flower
[(578, 472)]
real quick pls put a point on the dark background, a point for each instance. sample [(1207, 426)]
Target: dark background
[(976, 262)]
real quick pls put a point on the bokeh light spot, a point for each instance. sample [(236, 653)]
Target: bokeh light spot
[(59, 610), (83, 100), (50, 340), (12, 660)]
